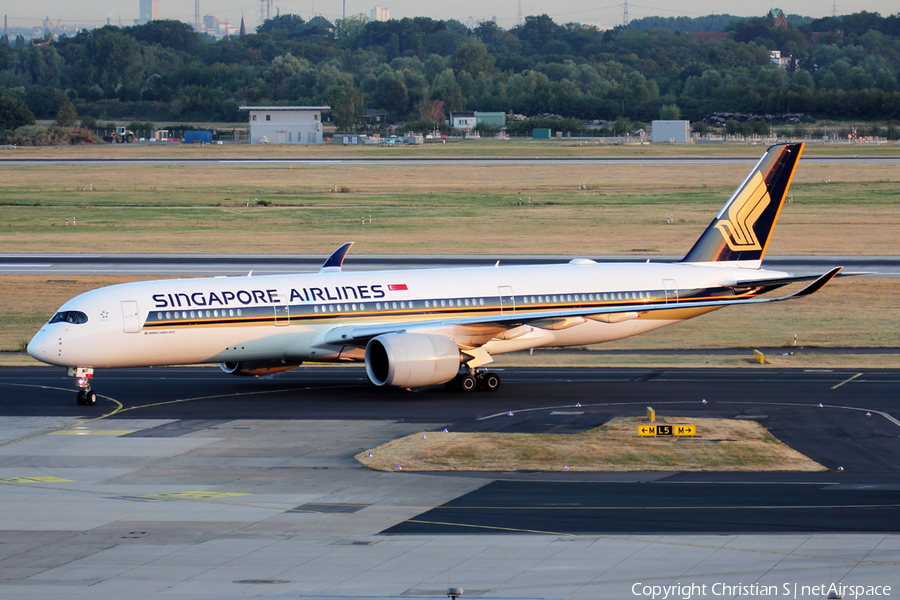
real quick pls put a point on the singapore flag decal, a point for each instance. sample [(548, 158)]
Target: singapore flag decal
[(398, 290)]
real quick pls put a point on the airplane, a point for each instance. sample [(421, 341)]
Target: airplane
[(417, 328)]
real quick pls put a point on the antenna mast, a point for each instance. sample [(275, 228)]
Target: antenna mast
[(519, 22)]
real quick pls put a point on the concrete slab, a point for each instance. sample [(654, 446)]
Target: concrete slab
[(113, 532)]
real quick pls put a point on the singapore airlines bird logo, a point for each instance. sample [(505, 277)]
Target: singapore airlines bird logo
[(737, 229)]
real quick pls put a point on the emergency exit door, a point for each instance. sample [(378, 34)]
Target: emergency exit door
[(132, 321)]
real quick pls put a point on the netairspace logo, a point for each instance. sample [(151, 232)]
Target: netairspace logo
[(785, 590)]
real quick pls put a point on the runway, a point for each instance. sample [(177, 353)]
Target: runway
[(276, 264), (427, 161), (205, 485)]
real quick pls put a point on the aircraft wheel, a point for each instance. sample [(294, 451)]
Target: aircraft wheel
[(81, 400), (467, 383), (490, 382), (90, 398)]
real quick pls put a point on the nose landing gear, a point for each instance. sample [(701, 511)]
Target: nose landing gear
[(86, 396)]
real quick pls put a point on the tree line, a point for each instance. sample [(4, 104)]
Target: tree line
[(840, 68)]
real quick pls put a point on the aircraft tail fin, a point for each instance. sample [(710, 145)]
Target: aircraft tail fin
[(741, 231)]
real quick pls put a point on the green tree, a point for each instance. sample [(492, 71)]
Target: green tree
[(347, 105), (445, 88), (167, 33), (623, 126), (391, 94), (67, 117), (669, 112), (14, 113), (286, 25), (473, 57), (350, 28), (110, 58)]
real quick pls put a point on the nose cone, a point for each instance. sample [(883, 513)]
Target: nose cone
[(41, 347)]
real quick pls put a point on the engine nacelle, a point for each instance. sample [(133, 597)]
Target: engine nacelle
[(411, 360), (257, 367)]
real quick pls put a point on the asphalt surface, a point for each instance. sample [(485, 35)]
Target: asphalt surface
[(412, 160), (238, 264), (863, 497)]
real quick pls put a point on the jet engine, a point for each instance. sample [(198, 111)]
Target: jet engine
[(257, 367), (411, 360)]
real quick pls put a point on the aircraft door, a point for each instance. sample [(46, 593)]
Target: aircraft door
[(507, 299), (671, 291), (131, 317), (282, 312)]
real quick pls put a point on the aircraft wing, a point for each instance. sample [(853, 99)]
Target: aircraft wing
[(555, 319), (775, 282)]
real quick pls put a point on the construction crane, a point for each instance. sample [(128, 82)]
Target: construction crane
[(50, 39)]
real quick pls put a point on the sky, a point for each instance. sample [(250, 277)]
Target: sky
[(603, 13)]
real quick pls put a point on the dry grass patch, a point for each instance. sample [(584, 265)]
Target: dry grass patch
[(428, 208), (721, 445)]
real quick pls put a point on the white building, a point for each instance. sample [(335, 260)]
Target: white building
[(671, 131), (286, 124), (380, 14), (149, 11)]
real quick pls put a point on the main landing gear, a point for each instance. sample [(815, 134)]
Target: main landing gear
[(469, 381), (86, 396)]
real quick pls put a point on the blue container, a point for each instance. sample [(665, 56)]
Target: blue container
[(198, 137)]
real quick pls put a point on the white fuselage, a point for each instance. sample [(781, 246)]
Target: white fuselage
[(294, 318)]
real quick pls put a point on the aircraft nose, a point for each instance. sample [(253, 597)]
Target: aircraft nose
[(40, 346)]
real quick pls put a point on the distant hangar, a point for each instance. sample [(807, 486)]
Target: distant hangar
[(286, 124)]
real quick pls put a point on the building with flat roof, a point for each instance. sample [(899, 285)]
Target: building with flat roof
[(149, 11), (380, 13), (286, 124), (671, 131)]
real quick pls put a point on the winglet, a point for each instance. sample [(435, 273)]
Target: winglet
[(818, 284), (334, 262)]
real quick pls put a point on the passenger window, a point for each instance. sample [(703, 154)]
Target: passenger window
[(467, 301), (159, 316), (316, 308), (481, 301), (362, 307), (443, 303)]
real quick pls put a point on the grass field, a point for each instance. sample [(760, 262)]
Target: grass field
[(720, 445), (428, 209)]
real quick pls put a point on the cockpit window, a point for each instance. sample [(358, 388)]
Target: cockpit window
[(69, 316)]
